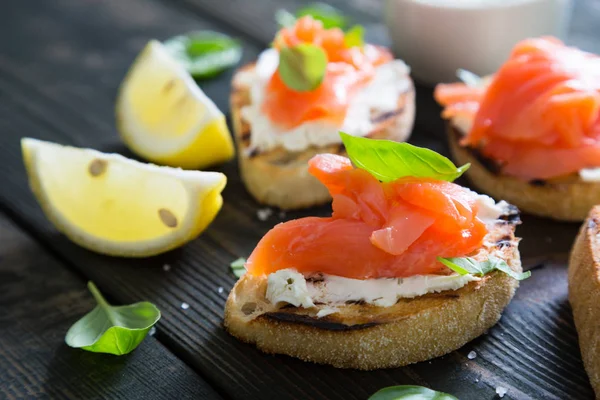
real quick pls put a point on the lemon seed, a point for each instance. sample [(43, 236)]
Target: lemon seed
[(167, 88), (97, 167), (167, 217)]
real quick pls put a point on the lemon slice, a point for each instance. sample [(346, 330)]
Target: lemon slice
[(166, 118), (117, 206)]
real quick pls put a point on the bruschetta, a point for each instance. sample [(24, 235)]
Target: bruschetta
[(365, 92), (403, 271), (584, 294), (531, 131)]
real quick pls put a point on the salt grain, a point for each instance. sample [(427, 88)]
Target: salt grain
[(220, 289), (501, 391), (476, 380), (282, 214), (471, 355), (185, 306), (152, 331), (263, 213), (166, 267)]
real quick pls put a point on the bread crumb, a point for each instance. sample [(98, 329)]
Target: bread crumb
[(185, 306), (501, 391), (166, 267), (326, 311), (263, 214), (471, 355)]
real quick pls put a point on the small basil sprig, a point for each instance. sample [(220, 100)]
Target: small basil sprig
[(237, 267), (408, 392), (112, 329), (330, 16), (302, 67), (355, 36), (468, 265), (387, 160), (205, 54)]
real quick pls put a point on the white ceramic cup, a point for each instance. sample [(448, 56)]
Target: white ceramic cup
[(436, 37)]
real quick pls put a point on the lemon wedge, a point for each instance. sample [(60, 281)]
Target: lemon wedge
[(163, 116), (117, 206)]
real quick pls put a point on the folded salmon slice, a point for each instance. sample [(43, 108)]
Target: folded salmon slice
[(539, 117), (395, 229), (348, 69)]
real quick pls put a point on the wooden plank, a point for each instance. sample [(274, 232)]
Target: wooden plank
[(39, 300), (532, 351), (72, 64)]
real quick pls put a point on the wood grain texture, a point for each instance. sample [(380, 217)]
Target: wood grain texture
[(39, 300), (59, 70)]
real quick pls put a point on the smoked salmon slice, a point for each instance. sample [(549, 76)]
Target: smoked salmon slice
[(539, 117), (394, 229), (348, 69)]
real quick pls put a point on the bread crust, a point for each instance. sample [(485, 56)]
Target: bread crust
[(565, 199), (368, 337), (279, 177), (584, 294)]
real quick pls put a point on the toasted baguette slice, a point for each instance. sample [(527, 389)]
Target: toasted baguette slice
[(566, 199), (367, 337), (584, 294), (279, 177)]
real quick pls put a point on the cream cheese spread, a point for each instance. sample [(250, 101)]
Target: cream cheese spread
[(290, 286)]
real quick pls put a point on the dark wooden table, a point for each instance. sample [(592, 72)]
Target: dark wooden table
[(61, 62)]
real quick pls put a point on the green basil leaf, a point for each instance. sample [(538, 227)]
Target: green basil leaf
[(468, 265), (205, 54), (112, 329), (285, 18), (355, 36), (302, 67), (408, 392), (387, 160), (469, 78), (330, 16), (237, 267)]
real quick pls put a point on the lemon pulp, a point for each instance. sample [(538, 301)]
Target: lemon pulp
[(165, 117)]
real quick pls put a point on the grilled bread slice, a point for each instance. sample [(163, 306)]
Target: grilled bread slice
[(368, 337), (567, 198), (584, 294), (279, 177)]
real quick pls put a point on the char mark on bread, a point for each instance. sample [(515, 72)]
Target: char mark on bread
[(538, 182), (320, 323)]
